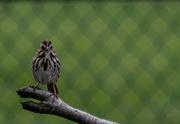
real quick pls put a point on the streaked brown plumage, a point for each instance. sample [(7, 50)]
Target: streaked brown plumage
[(46, 67)]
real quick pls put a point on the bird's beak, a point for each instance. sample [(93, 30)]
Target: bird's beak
[(47, 48)]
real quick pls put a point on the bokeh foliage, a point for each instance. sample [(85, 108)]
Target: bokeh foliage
[(120, 60)]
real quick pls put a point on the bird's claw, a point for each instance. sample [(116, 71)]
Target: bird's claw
[(55, 96)]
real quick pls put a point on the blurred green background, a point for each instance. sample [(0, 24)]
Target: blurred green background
[(120, 60)]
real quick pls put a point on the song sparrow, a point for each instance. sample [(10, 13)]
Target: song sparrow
[(46, 67)]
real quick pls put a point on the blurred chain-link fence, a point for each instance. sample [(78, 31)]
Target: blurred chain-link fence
[(120, 61)]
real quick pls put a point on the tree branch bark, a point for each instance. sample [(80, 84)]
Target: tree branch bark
[(54, 105)]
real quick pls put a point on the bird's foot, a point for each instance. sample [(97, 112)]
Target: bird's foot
[(54, 96), (35, 87)]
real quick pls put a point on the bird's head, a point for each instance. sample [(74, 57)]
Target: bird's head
[(46, 45), (46, 49)]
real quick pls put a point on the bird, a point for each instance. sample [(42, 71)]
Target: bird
[(46, 67)]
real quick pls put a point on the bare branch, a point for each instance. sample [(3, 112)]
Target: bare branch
[(54, 105)]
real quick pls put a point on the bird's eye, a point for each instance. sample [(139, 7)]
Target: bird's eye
[(42, 47)]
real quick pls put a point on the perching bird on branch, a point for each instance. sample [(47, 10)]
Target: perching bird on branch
[(46, 67)]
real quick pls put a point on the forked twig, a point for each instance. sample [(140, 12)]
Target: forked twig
[(55, 106)]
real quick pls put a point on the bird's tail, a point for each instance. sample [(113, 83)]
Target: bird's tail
[(52, 88)]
